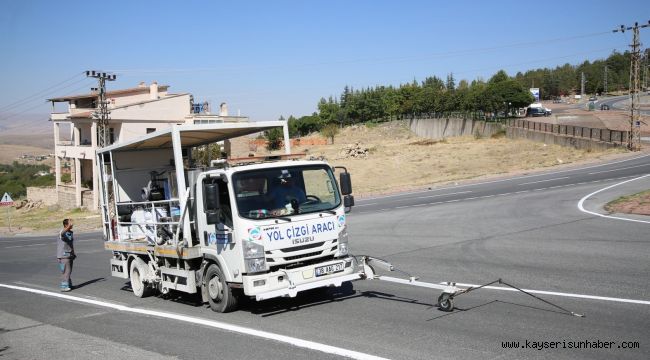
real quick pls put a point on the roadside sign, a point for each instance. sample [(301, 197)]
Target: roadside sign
[(638, 124), (6, 200)]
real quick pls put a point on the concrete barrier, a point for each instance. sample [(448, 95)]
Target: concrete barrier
[(47, 195), (440, 128), (563, 140)]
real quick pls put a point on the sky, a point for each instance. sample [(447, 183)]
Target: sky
[(268, 59)]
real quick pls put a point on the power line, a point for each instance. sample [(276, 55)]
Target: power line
[(40, 93), (34, 107), (462, 52)]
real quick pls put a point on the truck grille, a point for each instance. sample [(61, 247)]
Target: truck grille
[(301, 253)]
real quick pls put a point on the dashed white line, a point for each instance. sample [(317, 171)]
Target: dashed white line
[(508, 179), (540, 181), (625, 168), (496, 195), (43, 244), (439, 195), (419, 197), (306, 344)]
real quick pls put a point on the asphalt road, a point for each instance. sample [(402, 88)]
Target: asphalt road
[(527, 230)]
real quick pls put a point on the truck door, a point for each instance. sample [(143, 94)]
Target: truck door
[(215, 219)]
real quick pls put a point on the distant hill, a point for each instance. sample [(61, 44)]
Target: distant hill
[(26, 129)]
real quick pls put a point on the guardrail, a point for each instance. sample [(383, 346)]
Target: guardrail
[(605, 135)]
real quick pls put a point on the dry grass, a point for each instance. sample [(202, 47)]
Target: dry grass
[(399, 160), (46, 220), (633, 204)]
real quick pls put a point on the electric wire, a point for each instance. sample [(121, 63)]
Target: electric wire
[(40, 93), (12, 115), (462, 52)]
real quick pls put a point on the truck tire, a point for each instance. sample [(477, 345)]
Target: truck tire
[(220, 295), (137, 272)]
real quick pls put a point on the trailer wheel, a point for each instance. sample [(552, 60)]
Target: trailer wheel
[(220, 296), (138, 270), (445, 302)]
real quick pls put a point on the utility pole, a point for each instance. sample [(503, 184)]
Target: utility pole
[(634, 138), (101, 113), (582, 84)]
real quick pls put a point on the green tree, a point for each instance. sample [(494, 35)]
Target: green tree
[(330, 131), (273, 139), (202, 155)]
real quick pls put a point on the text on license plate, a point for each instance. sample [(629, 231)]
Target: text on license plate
[(328, 269)]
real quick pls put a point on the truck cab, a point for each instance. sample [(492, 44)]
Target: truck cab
[(273, 227)]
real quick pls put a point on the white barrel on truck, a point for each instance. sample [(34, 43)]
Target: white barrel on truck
[(257, 227)]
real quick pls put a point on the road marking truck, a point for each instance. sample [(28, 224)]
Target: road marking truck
[(257, 227)]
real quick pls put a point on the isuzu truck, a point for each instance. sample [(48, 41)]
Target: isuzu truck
[(260, 227)]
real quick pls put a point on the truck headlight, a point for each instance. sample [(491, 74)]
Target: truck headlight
[(255, 265), (253, 250), (343, 241), (254, 258)]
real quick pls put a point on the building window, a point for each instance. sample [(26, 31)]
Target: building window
[(111, 135), (150, 130)]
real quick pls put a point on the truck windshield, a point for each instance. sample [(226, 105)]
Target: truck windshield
[(282, 192)]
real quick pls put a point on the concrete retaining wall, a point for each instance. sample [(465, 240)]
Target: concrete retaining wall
[(448, 127), (47, 195), (549, 138)]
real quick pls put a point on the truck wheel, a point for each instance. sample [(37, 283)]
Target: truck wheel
[(138, 270), (220, 296)]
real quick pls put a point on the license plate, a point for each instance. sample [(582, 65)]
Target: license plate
[(328, 269)]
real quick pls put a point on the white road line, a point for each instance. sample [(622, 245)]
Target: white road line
[(439, 195), (582, 201), (22, 246), (365, 204), (496, 195), (306, 344), (625, 168), (571, 295), (540, 181), (419, 197), (42, 244), (503, 180)]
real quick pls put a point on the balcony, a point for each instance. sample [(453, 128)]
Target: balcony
[(75, 152)]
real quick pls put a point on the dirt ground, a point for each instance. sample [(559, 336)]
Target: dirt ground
[(634, 204), (45, 220), (397, 160), (10, 153)]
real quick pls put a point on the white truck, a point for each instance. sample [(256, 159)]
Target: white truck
[(256, 227)]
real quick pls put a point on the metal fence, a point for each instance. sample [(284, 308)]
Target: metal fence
[(604, 135)]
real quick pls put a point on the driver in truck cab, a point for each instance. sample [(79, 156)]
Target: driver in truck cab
[(284, 191)]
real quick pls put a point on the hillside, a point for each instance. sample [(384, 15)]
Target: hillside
[(389, 157)]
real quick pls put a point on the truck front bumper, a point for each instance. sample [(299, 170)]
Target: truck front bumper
[(289, 282)]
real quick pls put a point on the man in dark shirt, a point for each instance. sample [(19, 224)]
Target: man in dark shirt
[(65, 254)]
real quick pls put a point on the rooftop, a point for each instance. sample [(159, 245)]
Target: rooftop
[(93, 95)]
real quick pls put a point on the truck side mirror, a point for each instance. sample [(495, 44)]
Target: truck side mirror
[(348, 201), (346, 183), (211, 203)]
